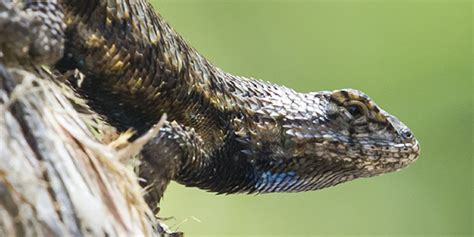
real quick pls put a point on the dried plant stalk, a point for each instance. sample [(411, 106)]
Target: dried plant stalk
[(56, 178)]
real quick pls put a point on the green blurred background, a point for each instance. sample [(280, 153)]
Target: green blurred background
[(414, 58)]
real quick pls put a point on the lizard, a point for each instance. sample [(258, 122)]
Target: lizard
[(225, 133)]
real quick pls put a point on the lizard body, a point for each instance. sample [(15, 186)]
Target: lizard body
[(227, 134)]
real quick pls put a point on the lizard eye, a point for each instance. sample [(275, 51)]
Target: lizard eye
[(356, 109)]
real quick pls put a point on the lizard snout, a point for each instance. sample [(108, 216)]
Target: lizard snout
[(402, 130), (407, 137)]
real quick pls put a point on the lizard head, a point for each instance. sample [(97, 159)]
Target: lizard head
[(333, 137), (366, 136)]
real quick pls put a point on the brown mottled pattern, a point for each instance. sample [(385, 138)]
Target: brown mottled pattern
[(226, 133)]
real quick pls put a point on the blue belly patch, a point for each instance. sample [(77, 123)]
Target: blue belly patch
[(280, 181)]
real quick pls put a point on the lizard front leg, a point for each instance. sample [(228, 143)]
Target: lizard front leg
[(169, 156), (31, 30)]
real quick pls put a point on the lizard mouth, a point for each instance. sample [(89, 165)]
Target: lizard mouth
[(398, 153), (384, 159)]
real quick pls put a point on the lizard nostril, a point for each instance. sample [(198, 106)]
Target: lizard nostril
[(407, 134)]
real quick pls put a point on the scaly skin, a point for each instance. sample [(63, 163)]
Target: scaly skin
[(31, 31), (227, 134)]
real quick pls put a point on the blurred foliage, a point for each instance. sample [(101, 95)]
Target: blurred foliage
[(414, 58)]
